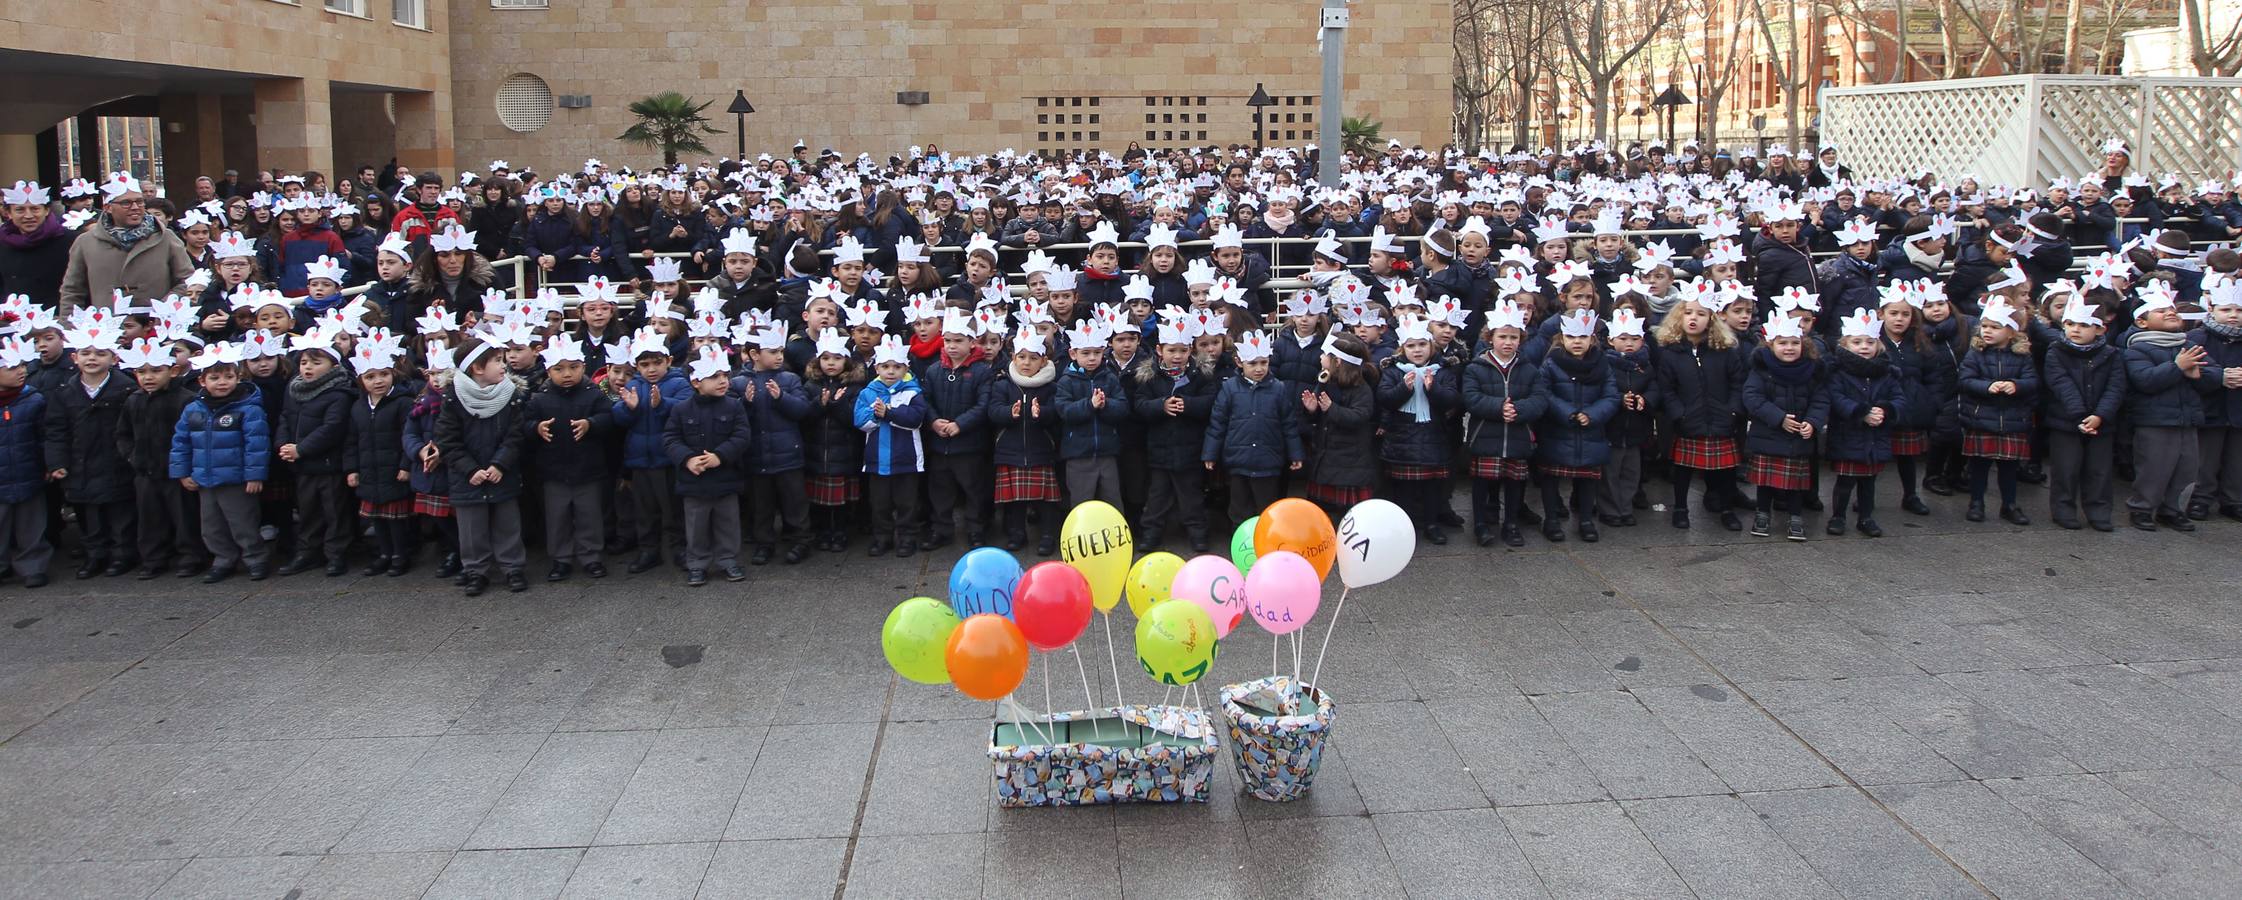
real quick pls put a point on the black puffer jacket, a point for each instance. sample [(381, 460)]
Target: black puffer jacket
[(1032, 437), (2081, 382), (378, 446), (1700, 387), (1172, 442), (145, 430), (1777, 265), (467, 444), (704, 424), (565, 459), (1983, 410), (1485, 387), (831, 445), (1635, 373), (1341, 439), (316, 418), (81, 434), (1776, 389), (959, 394)]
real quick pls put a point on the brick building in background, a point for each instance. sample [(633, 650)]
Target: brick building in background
[(332, 84)]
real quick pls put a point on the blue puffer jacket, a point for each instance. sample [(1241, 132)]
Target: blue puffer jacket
[(1924, 379), (1032, 437), (777, 421), (2081, 382), (1983, 410), (1407, 441), (2222, 407), (1857, 386), (1848, 285), (1485, 387), (222, 441), (2157, 394), (702, 424), (1776, 389), (642, 427), (1295, 363), (959, 394), (22, 474), (1088, 431), (1573, 386), (1255, 428), (891, 444)]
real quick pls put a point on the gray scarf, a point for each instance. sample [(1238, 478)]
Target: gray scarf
[(2156, 339), (126, 237), (484, 402)]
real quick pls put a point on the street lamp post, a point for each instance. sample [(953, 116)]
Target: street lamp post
[(1669, 99), (1637, 112), (1259, 101), (740, 108)]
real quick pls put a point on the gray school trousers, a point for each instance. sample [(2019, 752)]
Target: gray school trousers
[(712, 532), (2164, 468), (572, 517), (490, 532), (23, 536), (230, 516)]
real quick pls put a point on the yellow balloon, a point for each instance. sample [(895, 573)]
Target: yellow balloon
[(1095, 541), (1152, 580)]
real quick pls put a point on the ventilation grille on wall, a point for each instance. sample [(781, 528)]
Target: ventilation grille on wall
[(525, 103), (517, 4), (575, 101)]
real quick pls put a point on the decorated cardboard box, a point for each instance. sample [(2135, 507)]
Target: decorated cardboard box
[(1125, 754), (1277, 730)]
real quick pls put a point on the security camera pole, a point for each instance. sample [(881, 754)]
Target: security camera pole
[(1333, 36)]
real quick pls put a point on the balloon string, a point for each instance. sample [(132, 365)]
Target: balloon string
[(1022, 721), (1334, 626), (1049, 708), (1097, 722), (1113, 659)]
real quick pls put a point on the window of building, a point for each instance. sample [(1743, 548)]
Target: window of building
[(525, 102), (409, 13), (517, 4), (348, 7)]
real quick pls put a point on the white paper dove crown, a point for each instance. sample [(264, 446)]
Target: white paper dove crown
[(830, 342), (708, 323), (394, 245), (324, 267), (1228, 236), (370, 356), (144, 353), (1304, 303), (958, 321), (438, 357), (1198, 272), (1254, 345), (664, 269), (919, 307), (1654, 255), (1795, 298), (1567, 272), (1724, 251), (2154, 295), (1028, 340), (560, 352), (222, 353), (708, 300), (452, 239), (1624, 322), (1210, 321), (231, 245), (1032, 312), (1086, 334), (2080, 311), (192, 218), (891, 349), (1104, 234), (16, 352), (174, 307), (1137, 288), (1856, 231), (848, 250), (1999, 312), (1061, 278), (767, 339), (758, 319), (317, 339), (1176, 331), (1160, 236), (1577, 323), (78, 187), (864, 313), (1329, 248), (1609, 222), (1409, 328), (909, 251), (1862, 323), (709, 362), (117, 185), (648, 341), (25, 193), (1783, 327)]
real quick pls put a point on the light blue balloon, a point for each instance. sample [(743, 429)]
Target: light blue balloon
[(982, 582)]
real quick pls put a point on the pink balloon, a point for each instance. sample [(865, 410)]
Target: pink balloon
[(1213, 584), (1282, 592)]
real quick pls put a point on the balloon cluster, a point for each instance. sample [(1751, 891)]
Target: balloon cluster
[(980, 640)]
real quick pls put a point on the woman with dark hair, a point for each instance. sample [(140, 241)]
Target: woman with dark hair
[(634, 227), (34, 247), (677, 227), (454, 278), (889, 222), (494, 221)]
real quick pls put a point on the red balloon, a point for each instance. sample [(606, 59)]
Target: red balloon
[(1052, 604)]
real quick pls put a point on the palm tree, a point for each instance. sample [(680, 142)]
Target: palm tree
[(1360, 136), (671, 121)]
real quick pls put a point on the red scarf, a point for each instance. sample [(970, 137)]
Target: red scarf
[(1095, 275), (926, 348)]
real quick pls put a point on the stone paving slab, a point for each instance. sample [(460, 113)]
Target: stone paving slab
[(1951, 711)]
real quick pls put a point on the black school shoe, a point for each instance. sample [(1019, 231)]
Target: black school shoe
[(516, 582), (476, 584), (1914, 505), (1869, 528), (215, 575), (379, 565), (2014, 515), (1588, 532), (595, 569), (695, 578), (450, 566), (2142, 520), (797, 553), (1976, 512), (2176, 523), (646, 562), (559, 572), (338, 567), (761, 556), (735, 573), (1512, 537), (1435, 535), (1836, 526), (1729, 521), (1797, 528), (879, 547)]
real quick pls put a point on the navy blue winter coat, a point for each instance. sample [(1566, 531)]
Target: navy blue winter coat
[(420, 432), (2081, 382), (318, 424), (1983, 410), (1775, 389), (1856, 386), (222, 441), (1295, 363), (703, 424), (2157, 394), (1254, 430), (959, 394), (553, 236), (1032, 437), (1848, 285), (565, 459), (1574, 386), (1485, 387), (1409, 442), (1777, 265), (81, 436), (776, 421), (2222, 408), (1088, 431), (1173, 442), (1700, 388), (1925, 379), (377, 448), (642, 427), (22, 474)]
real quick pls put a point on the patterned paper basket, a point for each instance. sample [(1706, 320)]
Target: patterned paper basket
[(1277, 754), (1174, 764)]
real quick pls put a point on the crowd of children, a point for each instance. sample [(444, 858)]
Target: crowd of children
[(1510, 332)]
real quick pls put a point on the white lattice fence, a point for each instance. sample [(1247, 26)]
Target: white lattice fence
[(2029, 129)]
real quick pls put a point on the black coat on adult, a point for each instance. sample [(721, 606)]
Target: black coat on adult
[(468, 444), (704, 424), (1700, 387), (81, 436), (378, 446), (565, 459), (316, 418), (1172, 441), (33, 264)]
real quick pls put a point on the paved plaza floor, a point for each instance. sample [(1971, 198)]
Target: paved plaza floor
[(1953, 710)]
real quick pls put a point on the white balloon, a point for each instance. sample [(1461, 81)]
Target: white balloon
[(1376, 541)]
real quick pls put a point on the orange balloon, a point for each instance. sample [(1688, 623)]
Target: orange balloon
[(1299, 526), (987, 657)]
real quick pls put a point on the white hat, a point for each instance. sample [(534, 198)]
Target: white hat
[(1550, 228), (1567, 272), (1137, 288), (1252, 346), (1028, 340), (957, 321), (646, 341), (1087, 334), (1329, 248), (1796, 298), (1199, 272), (452, 239), (2081, 312), (562, 351), (848, 250), (1037, 261), (909, 251), (1060, 278), (2154, 295), (892, 349), (317, 339), (709, 362), (1177, 331), (324, 267), (1383, 242), (144, 353), (25, 193), (220, 353), (78, 187), (1654, 255), (739, 240), (1506, 314), (1578, 323), (831, 342), (1862, 323), (1228, 236), (261, 343), (767, 338), (1159, 236), (1856, 231), (379, 350), (117, 185), (1999, 310), (1783, 327), (1104, 234), (708, 323), (232, 245), (1624, 322), (865, 313), (1304, 303), (1724, 251), (394, 244), (920, 307), (665, 269), (1411, 328)]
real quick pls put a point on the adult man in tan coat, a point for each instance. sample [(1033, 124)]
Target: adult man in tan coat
[(124, 249)]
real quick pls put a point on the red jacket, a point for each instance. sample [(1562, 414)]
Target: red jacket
[(411, 223)]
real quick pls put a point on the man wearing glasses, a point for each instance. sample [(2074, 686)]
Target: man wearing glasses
[(124, 249)]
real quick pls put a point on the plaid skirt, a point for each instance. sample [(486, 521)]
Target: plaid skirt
[(1911, 443), (1338, 496), (1499, 468), (1027, 484), (1988, 445), (395, 509), (1556, 471), (1706, 453), (437, 506), (1783, 473), (833, 490), (1400, 472), (1851, 469)]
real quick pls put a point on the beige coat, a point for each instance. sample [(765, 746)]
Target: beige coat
[(147, 271)]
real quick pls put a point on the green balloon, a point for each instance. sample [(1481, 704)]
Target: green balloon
[(916, 639), (1176, 642), (1241, 545)]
